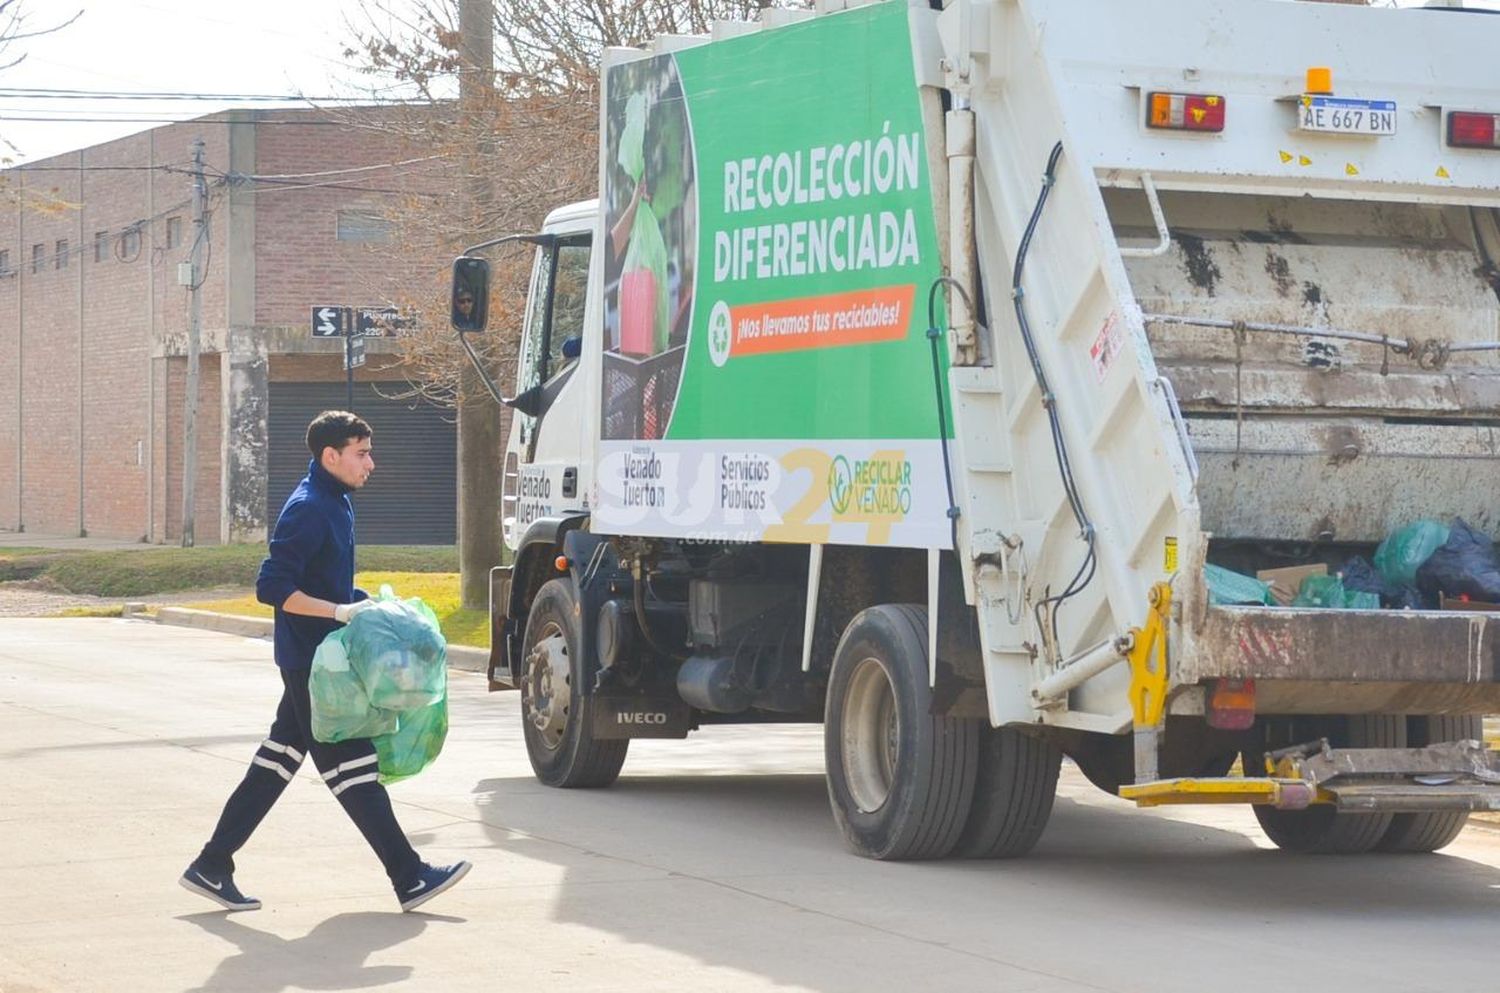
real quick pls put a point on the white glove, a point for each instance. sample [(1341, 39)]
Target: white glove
[(344, 612)]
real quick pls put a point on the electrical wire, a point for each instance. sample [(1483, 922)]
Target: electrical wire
[(934, 336), (1088, 568)]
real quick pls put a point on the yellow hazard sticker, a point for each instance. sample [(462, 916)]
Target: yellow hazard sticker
[(1303, 160), (1286, 157), (1351, 169), (1442, 173), (1169, 556)]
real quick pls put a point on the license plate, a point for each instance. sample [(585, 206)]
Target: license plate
[(1341, 115)]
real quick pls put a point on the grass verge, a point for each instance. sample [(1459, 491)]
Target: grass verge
[(147, 571), (439, 590)]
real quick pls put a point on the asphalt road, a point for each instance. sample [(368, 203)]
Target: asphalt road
[(713, 865)]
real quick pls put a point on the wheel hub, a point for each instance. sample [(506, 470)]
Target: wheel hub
[(547, 690), (872, 735)]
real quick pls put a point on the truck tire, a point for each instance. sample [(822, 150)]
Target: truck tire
[(555, 716), (1013, 792), (900, 778), (1322, 830), (1427, 832)]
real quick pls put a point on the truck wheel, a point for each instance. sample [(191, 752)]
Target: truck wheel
[(1427, 832), (1322, 830), (900, 778), (555, 715), (1013, 792)]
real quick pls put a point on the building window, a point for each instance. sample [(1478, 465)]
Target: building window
[(174, 232), (129, 247), (5, 269), (363, 225), (101, 245), (38, 253), (60, 257)]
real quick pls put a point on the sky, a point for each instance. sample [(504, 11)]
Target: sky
[(197, 46)]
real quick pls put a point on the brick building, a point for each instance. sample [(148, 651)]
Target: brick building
[(93, 330)]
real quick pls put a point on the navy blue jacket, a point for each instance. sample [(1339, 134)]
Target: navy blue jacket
[(312, 550)]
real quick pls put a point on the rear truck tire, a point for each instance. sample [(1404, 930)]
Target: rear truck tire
[(1014, 788), (900, 778), (1427, 832), (555, 715), (1320, 829)]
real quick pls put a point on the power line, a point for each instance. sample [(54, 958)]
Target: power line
[(42, 93)]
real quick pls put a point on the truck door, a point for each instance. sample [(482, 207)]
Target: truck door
[(546, 445)]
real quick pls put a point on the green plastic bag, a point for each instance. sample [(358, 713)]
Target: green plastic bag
[(649, 251), (632, 154), (398, 651), (1407, 549), (1329, 592), (414, 744), (1226, 588), (341, 709)]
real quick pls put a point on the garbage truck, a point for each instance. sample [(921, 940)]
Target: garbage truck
[(919, 364)]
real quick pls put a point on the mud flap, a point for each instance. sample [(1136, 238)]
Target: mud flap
[(640, 715)]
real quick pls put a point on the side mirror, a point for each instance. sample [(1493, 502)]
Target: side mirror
[(469, 302)]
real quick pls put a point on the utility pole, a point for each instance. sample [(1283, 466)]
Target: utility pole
[(479, 439), (195, 328)]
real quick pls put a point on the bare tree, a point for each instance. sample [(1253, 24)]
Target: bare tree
[(15, 27)]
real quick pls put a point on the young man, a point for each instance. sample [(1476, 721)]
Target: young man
[(309, 579)]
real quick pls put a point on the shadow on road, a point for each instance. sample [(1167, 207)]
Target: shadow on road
[(710, 866), (329, 957)]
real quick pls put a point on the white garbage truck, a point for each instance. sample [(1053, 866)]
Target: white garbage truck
[(920, 363)]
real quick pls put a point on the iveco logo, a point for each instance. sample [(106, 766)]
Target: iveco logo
[(633, 718)]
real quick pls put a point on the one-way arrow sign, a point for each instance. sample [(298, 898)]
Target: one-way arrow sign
[(327, 322)]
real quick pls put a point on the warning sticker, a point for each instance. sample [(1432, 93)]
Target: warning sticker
[(1106, 346), (1169, 555)]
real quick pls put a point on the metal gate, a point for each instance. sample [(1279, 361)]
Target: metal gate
[(412, 497)]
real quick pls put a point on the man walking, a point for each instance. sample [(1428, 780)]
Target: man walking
[(308, 578)]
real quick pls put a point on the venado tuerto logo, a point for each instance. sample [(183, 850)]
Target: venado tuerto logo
[(720, 334)]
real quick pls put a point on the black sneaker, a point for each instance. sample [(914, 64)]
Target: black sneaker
[(218, 887), (431, 881)]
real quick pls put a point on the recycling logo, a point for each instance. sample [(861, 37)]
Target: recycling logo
[(720, 334)]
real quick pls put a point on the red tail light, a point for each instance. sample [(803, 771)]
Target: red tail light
[(1185, 111), (1466, 130), (1231, 707)]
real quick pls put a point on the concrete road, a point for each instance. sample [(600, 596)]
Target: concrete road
[(712, 866)]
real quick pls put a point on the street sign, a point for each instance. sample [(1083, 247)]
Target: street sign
[(354, 354), (327, 322), (381, 321)]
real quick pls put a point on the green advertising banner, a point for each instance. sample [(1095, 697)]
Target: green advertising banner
[(770, 243)]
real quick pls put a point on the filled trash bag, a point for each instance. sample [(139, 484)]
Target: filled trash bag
[(1361, 577), (414, 744), (384, 676), (1465, 567), (398, 651), (1227, 588), (1406, 549), (1329, 592), (341, 708)]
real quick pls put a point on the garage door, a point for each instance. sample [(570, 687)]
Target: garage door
[(412, 497)]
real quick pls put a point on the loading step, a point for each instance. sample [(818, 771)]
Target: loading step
[(1461, 775)]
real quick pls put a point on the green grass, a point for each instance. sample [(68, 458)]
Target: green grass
[(148, 571), (91, 612), (438, 589)]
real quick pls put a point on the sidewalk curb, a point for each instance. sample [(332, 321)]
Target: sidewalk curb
[(460, 657)]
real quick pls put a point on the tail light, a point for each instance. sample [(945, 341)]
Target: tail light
[(1231, 706), (1185, 111), (1466, 130)]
